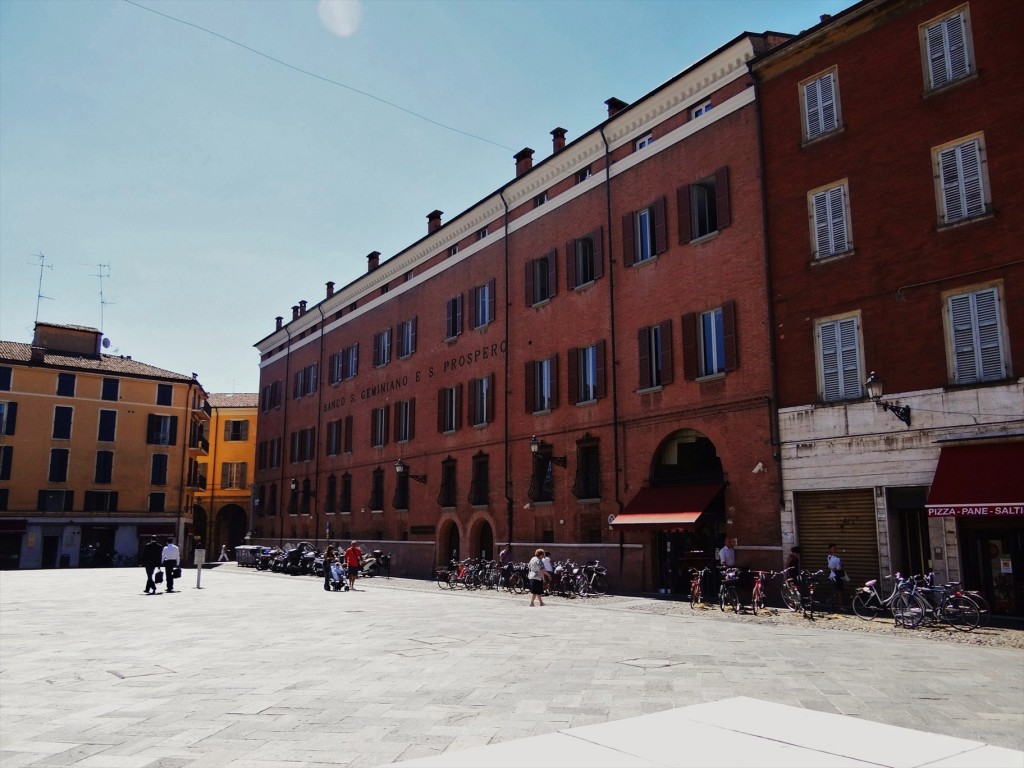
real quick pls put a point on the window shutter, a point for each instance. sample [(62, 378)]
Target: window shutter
[(598, 240), (574, 375), (473, 391), (332, 374), (474, 301), (601, 390), (660, 225), (822, 239), (490, 397), (683, 214), (397, 434), (311, 385), (691, 361), (227, 430), (819, 103), (442, 407), (829, 343), (490, 301), (376, 349), (667, 373), (373, 427), (724, 209), (530, 266), (11, 419), (628, 239), (348, 434), (530, 385), (849, 357), (729, 332), (965, 358), (570, 265), (989, 337), (828, 103), (552, 258), (386, 415), (449, 319), (458, 406), (355, 359), (554, 381), (837, 220), (244, 431), (643, 344), (225, 475), (947, 51), (458, 314), (174, 431), (412, 418), (152, 429), (69, 501), (956, 40), (412, 336)]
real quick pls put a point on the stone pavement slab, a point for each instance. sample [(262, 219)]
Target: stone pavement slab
[(265, 670)]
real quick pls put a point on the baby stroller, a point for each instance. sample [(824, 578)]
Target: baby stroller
[(339, 582)]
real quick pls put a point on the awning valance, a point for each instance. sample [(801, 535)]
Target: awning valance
[(978, 481), (667, 508)]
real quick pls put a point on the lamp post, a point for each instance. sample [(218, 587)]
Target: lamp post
[(875, 385), (402, 470), (535, 448)]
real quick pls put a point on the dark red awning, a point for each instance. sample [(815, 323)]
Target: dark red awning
[(978, 481), (667, 508)]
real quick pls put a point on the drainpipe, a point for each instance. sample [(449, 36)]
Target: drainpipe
[(181, 476), (284, 417), (213, 466), (614, 366), (319, 412), (504, 399)]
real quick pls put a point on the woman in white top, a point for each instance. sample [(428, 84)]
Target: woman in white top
[(536, 573)]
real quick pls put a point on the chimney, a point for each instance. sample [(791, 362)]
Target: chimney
[(825, 17), (37, 353), (615, 106), (302, 307), (278, 321), (372, 261), (295, 311), (557, 140), (330, 289), (433, 221), (524, 161)]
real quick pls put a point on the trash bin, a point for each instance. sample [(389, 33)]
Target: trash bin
[(65, 561)]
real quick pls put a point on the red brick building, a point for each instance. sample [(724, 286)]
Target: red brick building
[(580, 360), (893, 170)]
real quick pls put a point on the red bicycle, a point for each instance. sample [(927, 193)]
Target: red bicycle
[(757, 593)]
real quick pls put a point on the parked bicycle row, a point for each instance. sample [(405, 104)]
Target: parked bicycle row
[(338, 568), (565, 579)]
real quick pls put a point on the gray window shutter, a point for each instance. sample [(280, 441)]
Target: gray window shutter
[(947, 51), (962, 191), (820, 106)]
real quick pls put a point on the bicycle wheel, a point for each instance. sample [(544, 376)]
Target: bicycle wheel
[(722, 599), (908, 610), (694, 594), (516, 584), (791, 596), (599, 585), (734, 599), (442, 580), (865, 606), (756, 599), (582, 586), (984, 614), (960, 612)]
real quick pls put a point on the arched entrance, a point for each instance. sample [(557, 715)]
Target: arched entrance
[(449, 542), (484, 541), (230, 529)]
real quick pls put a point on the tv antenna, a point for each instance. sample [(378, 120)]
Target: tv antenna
[(103, 302), (39, 294)]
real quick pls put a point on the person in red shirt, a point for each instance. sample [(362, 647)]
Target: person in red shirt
[(354, 561)]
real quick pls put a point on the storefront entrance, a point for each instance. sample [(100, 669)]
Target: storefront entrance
[(992, 553)]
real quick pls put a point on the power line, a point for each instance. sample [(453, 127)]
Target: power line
[(321, 77)]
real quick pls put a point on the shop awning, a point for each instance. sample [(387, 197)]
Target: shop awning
[(978, 481), (155, 529), (12, 526), (667, 508)]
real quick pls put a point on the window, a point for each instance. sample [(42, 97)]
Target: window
[(8, 418), (334, 437), (700, 109), (453, 250), (540, 199), (58, 465), (704, 206), (66, 385), (583, 174), (107, 427), (481, 234), (233, 474), (839, 368), (586, 373), (382, 348), (453, 318), (345, 498), (542, 485), (62, 415), (479, 486), (111, 389), (481, 400), (407, 337), (197, 474), (819, 98), (303, 445), (384, 289), (654, 345), (946, 47), (347, 444), (644, 141), (5, 378), (378, 427), (158, 469), (588, 469), (236, 430), (710, 344), (541, 279), (104, 467), (4, 499), (829, 212), (974, 328), (405, 420), (271, 396), (961, 178), (343, 365), (446, 497), (584, 260), (100, 501), (156, 501), (274, 453), (644, 234), (483, 304), (164, 394), (542, 385), (449, 408), (162, 430), (56, 501), (401, 498), (6, 459), (376, 502), (304, 382)]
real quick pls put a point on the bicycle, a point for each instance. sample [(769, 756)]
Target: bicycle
[(697, 575), (757, 593), (948, 604), (727, 593), (791, 595), (907, 611), (593, 579)]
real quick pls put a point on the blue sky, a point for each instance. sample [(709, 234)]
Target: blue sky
[(222, 187)]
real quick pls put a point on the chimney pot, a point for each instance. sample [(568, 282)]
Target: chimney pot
[(524, 161), (557, 140), (372, 261), (433, 221), (295, 311), (825, 17), (278, 322), (302, 307), (330, 289), (615, 106)]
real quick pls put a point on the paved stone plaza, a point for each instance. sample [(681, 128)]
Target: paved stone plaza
[(259, 670)]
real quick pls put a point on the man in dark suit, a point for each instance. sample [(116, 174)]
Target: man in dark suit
[(150, 560)]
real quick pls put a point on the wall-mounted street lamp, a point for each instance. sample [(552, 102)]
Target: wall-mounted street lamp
[(875, 385), (535, 447), (402, 469)]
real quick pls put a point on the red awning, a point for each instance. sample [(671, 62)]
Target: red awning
[(978, 481), (667, 508)]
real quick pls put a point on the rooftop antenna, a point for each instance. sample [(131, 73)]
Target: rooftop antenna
[(39, 293), (103, 303)]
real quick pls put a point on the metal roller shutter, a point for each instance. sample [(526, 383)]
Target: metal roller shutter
[(846, 518)]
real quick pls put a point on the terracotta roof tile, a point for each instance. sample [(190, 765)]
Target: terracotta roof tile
[(17, 352), (233, 399)]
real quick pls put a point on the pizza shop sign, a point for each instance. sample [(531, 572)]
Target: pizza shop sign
[(981, 510)]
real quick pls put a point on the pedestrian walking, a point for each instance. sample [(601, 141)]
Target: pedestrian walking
[(837, 574), (549, 572), (536, 573), (170, 557), (353, 561), (150, 560), (329, 557), (223, 554)]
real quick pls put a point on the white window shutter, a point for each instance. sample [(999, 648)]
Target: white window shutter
[(947, 50), (949, 168), (831, 387), (850, 357), (964, 356), (837, 220), (821, 230), (812, 107), (829, 120), (962, 190), (970, 169), (990, 342)]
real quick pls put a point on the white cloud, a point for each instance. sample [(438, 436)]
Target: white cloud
[(341, 17)]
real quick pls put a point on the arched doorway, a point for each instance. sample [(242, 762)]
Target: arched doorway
[(230, 530), (449, 541), (484, 541)]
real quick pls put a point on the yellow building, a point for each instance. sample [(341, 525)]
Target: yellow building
[(223, 509), (96, 451)]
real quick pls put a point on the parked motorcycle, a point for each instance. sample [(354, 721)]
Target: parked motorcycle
[(265, 557), (375, 564)]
